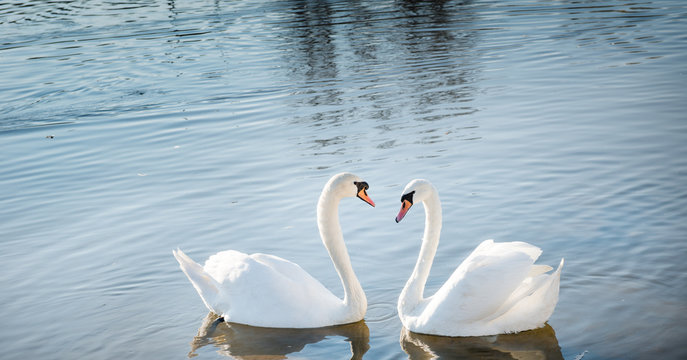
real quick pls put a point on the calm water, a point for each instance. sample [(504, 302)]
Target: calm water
[(129, 128)]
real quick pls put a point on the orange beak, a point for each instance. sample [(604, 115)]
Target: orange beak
[(362, 194), (405, 206)]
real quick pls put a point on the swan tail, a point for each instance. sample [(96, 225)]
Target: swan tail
[(560, 267), (555, 285), (207, 287), (551, 293), (547, 290), (532, 303), (547, 295)]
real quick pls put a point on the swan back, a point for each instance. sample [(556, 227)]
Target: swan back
[(496, 289)]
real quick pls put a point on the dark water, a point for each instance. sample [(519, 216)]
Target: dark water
[(129, 128)]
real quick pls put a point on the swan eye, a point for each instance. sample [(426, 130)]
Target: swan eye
[(408, 197), (361, 185)]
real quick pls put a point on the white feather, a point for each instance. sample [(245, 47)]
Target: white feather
[(496, 289), (268, 291)]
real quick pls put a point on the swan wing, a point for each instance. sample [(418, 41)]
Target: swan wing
[(266, 290), (483, 282)]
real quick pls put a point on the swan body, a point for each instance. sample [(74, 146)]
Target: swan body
[(497, 289), (268, 291)]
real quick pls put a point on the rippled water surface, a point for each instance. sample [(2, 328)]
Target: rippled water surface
[(129, 128)]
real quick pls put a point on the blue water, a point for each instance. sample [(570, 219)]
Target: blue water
[(130, 128)]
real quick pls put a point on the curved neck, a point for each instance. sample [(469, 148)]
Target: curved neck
[(332, 237), (412, 293)]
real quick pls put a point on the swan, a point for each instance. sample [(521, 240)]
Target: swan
[(497, 289), (268, 291)]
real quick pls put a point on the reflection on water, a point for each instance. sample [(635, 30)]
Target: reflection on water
[(356, 64), (538, 344), (248, 342), (193, 124)]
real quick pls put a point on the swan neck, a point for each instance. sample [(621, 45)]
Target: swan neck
[(413, 292), (332, 237)]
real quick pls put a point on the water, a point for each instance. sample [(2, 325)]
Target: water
[(131, 128)]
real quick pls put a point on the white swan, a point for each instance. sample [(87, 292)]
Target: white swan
[(496, 290), (268, 291)]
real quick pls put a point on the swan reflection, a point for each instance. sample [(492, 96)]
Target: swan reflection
[(248, 342), (537, 344)]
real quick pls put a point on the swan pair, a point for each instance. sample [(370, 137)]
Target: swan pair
[(497, 289)]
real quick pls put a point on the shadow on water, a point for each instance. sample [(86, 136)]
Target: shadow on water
[(534, 344), (249, 342)]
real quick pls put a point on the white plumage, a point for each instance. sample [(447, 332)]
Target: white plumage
[(265, 290), (496, 289)]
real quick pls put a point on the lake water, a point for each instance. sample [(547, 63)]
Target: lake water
[(130, 128)]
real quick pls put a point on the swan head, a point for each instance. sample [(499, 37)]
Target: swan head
[(349, 185), (416, 191)]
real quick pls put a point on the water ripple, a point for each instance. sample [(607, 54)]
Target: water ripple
[(130, 128)]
